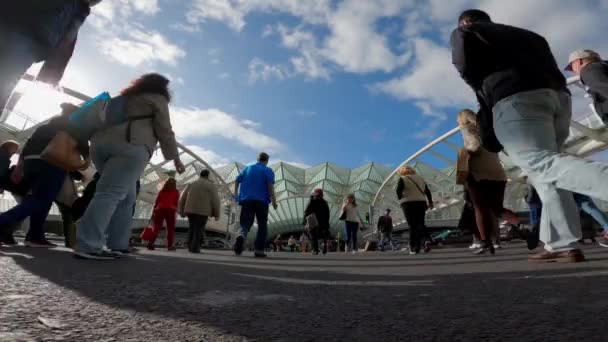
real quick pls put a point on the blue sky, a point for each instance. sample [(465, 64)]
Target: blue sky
[(310, 81)]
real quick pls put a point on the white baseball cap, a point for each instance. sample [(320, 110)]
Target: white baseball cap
[(580, 54)]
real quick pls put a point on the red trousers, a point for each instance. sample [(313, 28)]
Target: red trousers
[(165, 215)]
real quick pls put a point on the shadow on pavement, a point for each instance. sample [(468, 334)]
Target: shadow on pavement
[(564, 303)]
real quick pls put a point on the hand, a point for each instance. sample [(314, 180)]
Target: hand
[(85, 165), (179, 166), (275, 205), (431, 206)]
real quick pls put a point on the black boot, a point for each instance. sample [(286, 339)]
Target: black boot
[(533, 238)]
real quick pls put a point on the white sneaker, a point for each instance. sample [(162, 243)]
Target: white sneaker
[(354, 252), (346, 249), (475, 246), (497, 246), (412, 252)]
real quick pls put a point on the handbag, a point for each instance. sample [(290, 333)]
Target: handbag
[(343, 216), (462, 166), (311, 221), (148, 233), (61, 152)]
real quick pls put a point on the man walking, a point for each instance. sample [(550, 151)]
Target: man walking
[(385, 226), (34, 31), (256, 184), (525, 101), (199, 201), (594, 75)]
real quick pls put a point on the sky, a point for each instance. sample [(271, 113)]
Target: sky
[(347, 81)]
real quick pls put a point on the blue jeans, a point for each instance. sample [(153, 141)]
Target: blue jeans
[(110, 212), (45, 181), (533, 126), (386, 238), (587, 205), (19, 52), (535, 213), (352, 229), (250, 211)]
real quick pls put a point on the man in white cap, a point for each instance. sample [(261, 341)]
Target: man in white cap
[(594, 74)]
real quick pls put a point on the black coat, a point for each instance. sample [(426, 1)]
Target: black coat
[(320, 208), (498, 61), (595, 77)]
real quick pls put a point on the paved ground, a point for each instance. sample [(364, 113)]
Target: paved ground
[(448, 295)]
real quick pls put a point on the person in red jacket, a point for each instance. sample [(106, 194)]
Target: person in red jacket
[(165, 210)]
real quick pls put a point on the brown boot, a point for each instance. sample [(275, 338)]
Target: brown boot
[(575, 255)]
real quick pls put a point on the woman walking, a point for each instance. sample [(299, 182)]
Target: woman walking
[(353, 221), (318, 206), (120, 154), (415, 198), (485, 182), (165, 211)]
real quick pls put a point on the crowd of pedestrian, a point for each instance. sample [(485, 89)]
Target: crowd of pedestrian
[(524, 111)]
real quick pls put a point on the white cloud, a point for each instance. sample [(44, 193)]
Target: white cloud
[(223, 76), (122, 38), (146, 6), (210, 157), (190, 28), (262, 71), (432, 78), (221, 10), (141, 47), (214, 122), (353, 42)]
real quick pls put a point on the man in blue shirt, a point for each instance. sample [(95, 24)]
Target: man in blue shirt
[(256, 193)]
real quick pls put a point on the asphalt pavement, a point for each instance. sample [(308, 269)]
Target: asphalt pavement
[(446, 295)]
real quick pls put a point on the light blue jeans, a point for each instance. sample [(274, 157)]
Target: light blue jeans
[(110, 213), (533, 126), (587, 205)]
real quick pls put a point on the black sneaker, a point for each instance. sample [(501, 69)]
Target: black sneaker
[(427, 246), (238, 245), (8, 239), (40, 244), (103, 255), (260, 255)]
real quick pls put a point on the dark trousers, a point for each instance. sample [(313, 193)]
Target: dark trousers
[(316, 234), (352, 229), (196, 232), (69, 227), (487, 197), (414, 213), (45, 182), (250, 212)]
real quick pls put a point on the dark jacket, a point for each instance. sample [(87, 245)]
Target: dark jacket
[(595, 77), (385, 224), (43, 135), (53, 24), (320, 208), (498, 61), (81, 204)]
